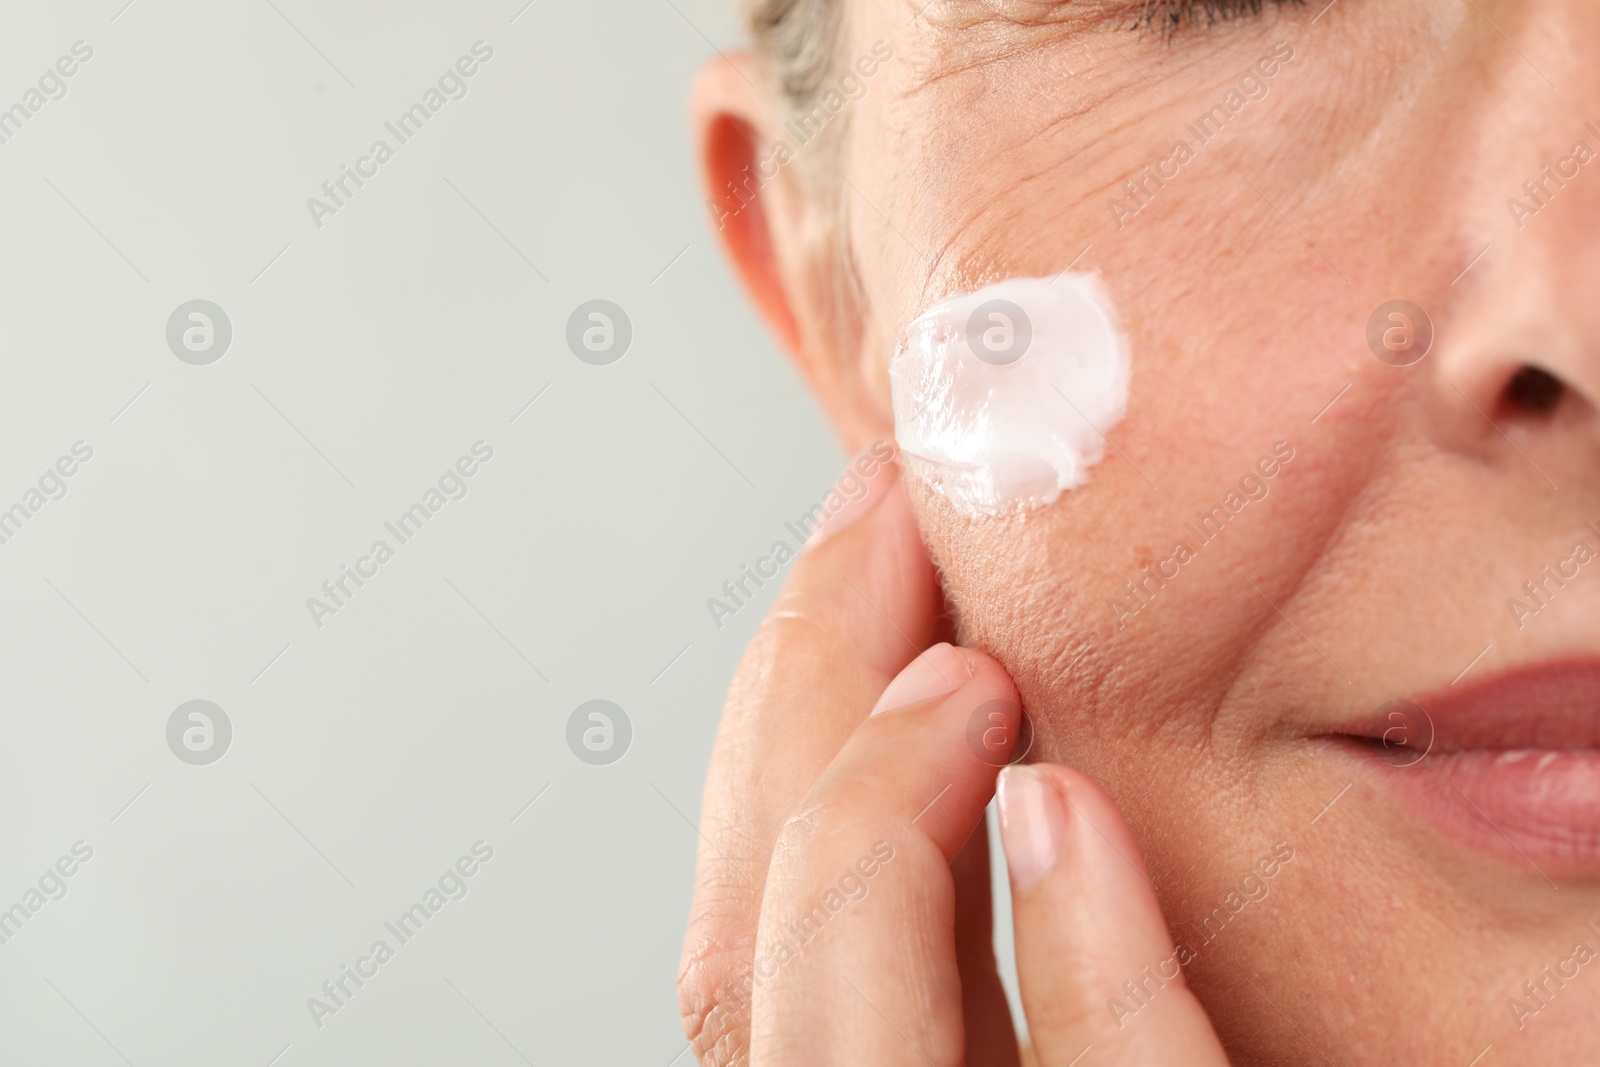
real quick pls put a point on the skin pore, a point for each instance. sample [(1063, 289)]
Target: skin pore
[(1375, 163)]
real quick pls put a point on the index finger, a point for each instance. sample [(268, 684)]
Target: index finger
[(861, 602)]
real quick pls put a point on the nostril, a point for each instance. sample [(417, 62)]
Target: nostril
[(1533, 391)]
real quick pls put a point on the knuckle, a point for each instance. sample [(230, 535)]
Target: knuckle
[(821, 820), (829, 833), (714, 1000), (1063, 1013)]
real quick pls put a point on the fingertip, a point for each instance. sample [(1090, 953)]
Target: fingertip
[(933, 744), (870, 479), (1081, 893), (938, 671), (945, 669), (1105, 828), (1033, 823), (991, 679)]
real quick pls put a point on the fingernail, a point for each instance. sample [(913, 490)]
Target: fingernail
[(939, 671), (862, 487), (1033, 823)]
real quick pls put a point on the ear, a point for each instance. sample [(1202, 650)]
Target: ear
[(786, 238)]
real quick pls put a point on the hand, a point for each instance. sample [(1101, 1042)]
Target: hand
[(857, 923), (860, 603), (842, 912)]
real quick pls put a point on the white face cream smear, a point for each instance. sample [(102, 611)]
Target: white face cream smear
[(1002, 397)]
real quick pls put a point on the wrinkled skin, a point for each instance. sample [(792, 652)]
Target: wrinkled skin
[(1376, 165)]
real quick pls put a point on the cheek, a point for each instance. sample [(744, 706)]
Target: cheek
[(1238, 331)]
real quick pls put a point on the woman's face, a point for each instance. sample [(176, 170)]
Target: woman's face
[(1369, 527)]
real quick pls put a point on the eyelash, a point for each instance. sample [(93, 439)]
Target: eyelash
[(1169, 15)]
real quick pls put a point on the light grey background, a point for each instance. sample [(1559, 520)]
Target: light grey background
[(367, 355)]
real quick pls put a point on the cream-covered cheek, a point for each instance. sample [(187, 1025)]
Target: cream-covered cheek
[(1003, 397)]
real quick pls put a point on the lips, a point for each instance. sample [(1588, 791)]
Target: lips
[(1510, 764)]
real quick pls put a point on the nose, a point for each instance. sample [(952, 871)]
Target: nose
[(1518, 359), (1520, 362)]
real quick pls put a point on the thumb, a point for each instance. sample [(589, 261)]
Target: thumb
[(1095, 962)]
